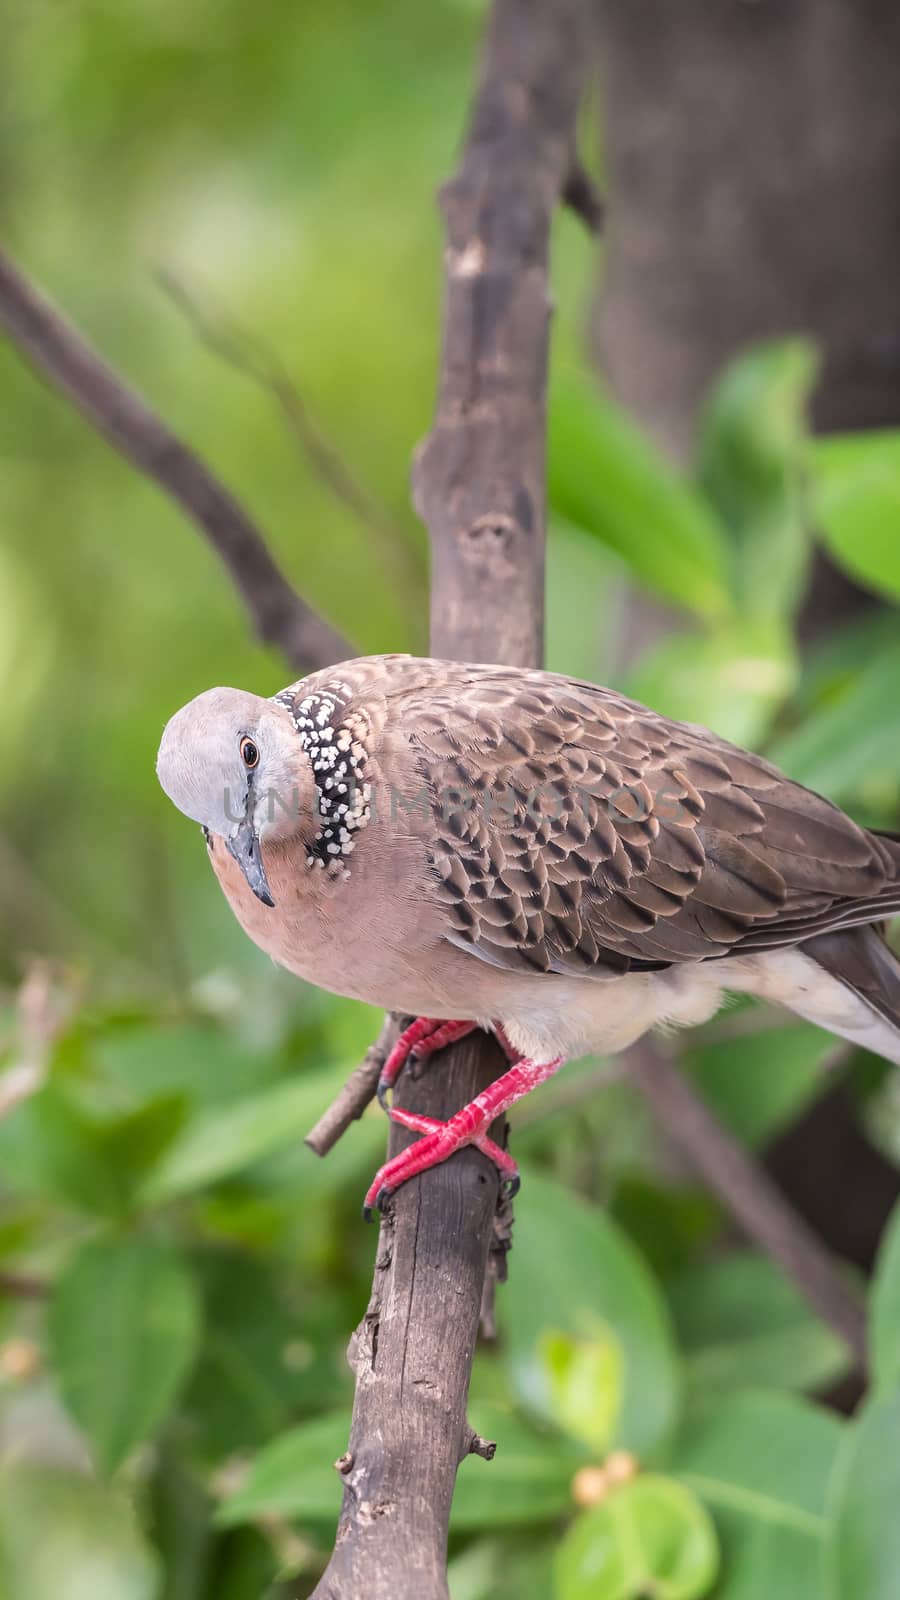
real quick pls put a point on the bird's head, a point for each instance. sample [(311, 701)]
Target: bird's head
[(232, 762)]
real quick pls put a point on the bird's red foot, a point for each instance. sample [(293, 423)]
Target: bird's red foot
[(439, 1143), (419, 1040), (469, 1126), (501, 1158)]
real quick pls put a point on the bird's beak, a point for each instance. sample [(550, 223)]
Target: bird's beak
[(244, 846)]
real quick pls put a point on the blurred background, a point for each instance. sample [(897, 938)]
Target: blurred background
[(235, 203)]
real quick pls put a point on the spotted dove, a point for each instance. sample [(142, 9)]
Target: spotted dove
[(490, 846)]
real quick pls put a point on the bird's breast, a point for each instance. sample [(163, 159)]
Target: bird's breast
[(372, 936)]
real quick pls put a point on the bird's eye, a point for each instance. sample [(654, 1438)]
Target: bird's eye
[(249, 753)]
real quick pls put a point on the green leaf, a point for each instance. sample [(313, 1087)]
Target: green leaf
[(204, 1063), (833, 661), (649, 1537), (751, 466), (761, 1462), (265, 1358), (884, 1309), (605, 477), (669, 1225), (765, 1454), (516, 1568), (123, 1326), (851, 739), (863, 1543), (177, 1509), (759, 1082), (92, 1163), (579, 1274), (64, 1534), (247, 1566), (740, 1322), (223, 1141), (294, 1476), (586, 611), (133, 1143), (48, 1145), (857, 503), (733, 679), (585, 1383)]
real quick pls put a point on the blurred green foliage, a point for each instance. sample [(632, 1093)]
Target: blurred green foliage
[(178, 1274)]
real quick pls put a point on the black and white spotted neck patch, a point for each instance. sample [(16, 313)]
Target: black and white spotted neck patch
[(336, 741)]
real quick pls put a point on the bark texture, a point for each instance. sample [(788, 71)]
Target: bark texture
[(479, 485)]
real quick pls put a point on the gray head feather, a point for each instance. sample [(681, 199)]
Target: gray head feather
[(199, 763)]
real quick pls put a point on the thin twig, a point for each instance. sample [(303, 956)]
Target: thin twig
[(249, 356), (748, 1193), (20, 1286), (475, 1445), (356, 1094), (60, 353)]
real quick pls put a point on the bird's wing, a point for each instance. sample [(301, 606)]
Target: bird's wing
[(575, 831)]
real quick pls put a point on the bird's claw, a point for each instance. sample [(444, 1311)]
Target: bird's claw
[(509, 1188), (469, 1126), (379, 1204), (421, 1039), (439, 1141)]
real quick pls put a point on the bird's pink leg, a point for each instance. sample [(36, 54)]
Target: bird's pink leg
[(468, 1126), (419, 1040), (501, 1158)]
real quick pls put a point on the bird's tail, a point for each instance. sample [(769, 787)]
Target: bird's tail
[(862, 961)]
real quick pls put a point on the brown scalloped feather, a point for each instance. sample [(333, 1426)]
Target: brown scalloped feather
[(574, 831)]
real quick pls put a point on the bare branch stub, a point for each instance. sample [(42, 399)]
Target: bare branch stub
[(356, 1094), (61, 354), (478, 483), (21, 1286), (582, 196)]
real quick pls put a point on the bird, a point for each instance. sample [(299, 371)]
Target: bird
[(476, 845)]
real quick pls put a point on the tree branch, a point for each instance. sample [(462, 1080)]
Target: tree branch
[(479, 485), (748, 1192), (60, 353), (20, 1286), (356, 1093)]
